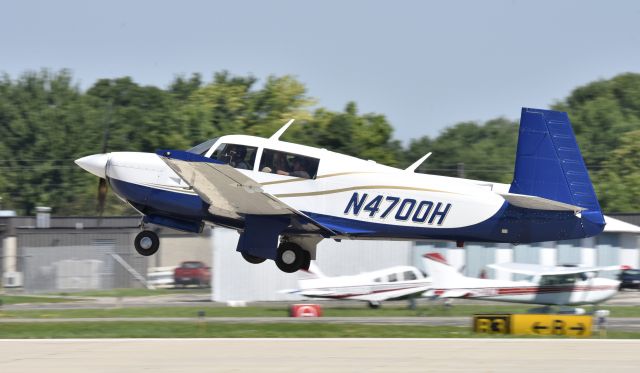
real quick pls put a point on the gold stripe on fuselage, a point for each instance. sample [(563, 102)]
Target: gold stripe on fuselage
[(340, 190), (317, 177)]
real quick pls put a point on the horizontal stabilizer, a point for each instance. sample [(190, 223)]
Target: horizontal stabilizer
[(538, 203)]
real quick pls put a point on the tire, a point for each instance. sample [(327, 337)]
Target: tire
[(146, 243), (252, 258), (374, 305), (307, 260), (290, 257)]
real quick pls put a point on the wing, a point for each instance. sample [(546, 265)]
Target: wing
[(536, 269), (229, 192)]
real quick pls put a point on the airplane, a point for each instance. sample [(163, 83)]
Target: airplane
[(393, 283), (546, 285), (284, 198)]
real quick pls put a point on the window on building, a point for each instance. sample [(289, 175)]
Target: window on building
[(288, 164), (236, 155)]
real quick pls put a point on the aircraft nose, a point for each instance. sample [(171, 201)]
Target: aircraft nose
[(96, 164)]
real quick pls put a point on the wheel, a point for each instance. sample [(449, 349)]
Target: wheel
[(290, 257), (252, 258), (307, 260), (146, 243), (374, 305)]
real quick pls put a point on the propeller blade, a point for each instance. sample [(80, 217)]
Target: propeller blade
[(102, 195)]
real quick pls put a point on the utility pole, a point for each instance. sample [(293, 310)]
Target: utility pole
[(461, 169)]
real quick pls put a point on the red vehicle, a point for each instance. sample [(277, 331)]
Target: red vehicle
[(192, 273)]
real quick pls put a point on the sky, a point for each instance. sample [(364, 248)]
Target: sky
[(425, 65)]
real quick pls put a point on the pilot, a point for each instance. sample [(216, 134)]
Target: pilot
[(299, 169), (236, 156)]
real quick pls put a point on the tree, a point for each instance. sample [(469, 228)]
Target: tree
[(618, 183), (479, 151)]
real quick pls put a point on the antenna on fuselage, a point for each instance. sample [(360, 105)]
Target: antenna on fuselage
[(417, 163), (276, 136)]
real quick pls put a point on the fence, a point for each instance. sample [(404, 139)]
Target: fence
[(68, 260)]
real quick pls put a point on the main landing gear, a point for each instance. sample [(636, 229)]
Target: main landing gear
[(146, 243), (252, 259), (290, 258)]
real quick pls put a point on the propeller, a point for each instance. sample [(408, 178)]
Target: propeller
[(102, 184)]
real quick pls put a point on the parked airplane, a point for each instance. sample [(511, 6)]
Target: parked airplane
[(393, 283), (284, 198), (563, 286)]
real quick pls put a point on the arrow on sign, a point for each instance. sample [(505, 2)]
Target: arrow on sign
[(580, 328), (537, 327)]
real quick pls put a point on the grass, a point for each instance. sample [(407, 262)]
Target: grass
[(212, 310), (135, 292), (19, 299), (239, 330)]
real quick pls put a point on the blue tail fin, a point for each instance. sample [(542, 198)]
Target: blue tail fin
[(549, 163)]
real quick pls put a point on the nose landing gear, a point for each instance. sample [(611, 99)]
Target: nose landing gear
[(146, 243)]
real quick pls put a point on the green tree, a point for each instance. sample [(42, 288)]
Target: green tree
[(618, 183), (476, 151)]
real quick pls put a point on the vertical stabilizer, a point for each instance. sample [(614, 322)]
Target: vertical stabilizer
[(549, 165), (442, 274)]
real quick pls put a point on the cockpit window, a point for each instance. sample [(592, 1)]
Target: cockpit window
[(409, 275), (236, 155), (289, 164), (203, 147), (568, 279)]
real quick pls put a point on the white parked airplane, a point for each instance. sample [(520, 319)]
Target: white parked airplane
[(284, 198), (561, 286), (393, 283)]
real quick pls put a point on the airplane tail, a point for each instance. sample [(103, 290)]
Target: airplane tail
[(313, 272), (549, 165), (442, 274)]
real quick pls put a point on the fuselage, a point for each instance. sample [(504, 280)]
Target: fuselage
[(397, 282), (353, 197), (589, 291)]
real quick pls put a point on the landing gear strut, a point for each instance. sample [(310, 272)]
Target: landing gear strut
[(146, 243), (291, 257)]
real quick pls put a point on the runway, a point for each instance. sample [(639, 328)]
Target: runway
[(630, 324), (318, 355)]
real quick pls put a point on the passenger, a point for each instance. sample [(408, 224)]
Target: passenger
[(299, 169), (280, 163)]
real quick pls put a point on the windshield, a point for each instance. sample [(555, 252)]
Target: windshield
[(202, 148)]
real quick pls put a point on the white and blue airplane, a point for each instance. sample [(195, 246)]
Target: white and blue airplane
[(284, 198)]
